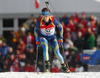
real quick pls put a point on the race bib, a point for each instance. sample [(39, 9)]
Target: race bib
[(48, 31)]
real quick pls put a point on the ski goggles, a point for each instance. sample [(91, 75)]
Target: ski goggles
[(45, 13)]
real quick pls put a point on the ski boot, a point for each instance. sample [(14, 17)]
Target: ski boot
[(64, 68), (47, 66)]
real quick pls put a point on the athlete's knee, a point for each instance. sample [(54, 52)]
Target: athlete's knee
[(56, 48), (42, 39), (58, 52)]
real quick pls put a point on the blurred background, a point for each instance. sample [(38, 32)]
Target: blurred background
[(81, 23)]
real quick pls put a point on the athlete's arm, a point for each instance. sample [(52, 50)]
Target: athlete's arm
[(57, 23)]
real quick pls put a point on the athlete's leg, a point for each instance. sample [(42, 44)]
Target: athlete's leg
[(44, 44), (55, 46)]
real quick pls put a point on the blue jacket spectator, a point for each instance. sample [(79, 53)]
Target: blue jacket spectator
[(4, 49), (65, 19)]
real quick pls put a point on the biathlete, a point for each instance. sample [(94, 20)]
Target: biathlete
[(45, 33)]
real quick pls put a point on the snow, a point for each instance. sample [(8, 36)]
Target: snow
[(50, 75)]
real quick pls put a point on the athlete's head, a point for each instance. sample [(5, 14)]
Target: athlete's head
[(46, 14)]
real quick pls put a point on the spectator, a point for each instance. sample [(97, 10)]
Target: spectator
[(79, 42), (18, 54), (31, 56), (94, 28), (14, 68), (78, 58), (18, 35), (2, 39), (71, 58), (28, 23), (65, 19), (72, 27), (79, 65), (91, 17), (11, 61), (4, 49), (22, 46), (23, 31), (84, 20), (32, 26), (22, 67), (79, 68), (77, 18), (67, 31), (55, 69), (4, 69), (91, 39), (22, 62), (81, 29), (10, 52), (29, 67), (68, 43), (56, 63), (29, 41), (72, 69)]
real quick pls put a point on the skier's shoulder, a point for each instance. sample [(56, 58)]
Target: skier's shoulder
[(52, 16), (40, 18)]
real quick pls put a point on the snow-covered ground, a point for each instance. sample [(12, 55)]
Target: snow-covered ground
[(50, 75)]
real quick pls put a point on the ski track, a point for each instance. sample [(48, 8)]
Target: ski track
[(50, 75)]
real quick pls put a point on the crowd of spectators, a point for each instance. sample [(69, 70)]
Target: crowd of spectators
[(80, 32)]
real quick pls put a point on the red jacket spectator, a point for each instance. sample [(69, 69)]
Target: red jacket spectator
[(67, 32), (12, 60), (72, 69), (81, 29), (55, 70), (84, 21), (77, 18), (14, 68), (29, 39), (29, 68), (72, 17), (19, 55), (72, 26)]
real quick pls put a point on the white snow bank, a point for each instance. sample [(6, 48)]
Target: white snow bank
[(49, 75)]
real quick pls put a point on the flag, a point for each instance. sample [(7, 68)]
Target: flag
[(37, 3)]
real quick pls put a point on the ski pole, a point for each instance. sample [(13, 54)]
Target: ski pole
[(36, 58), (64, 55)]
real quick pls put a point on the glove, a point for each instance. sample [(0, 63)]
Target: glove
[(61, 41), (37, 43)]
